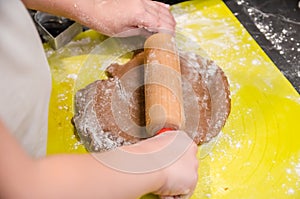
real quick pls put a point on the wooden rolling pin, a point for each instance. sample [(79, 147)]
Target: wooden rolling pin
[(163, 88)]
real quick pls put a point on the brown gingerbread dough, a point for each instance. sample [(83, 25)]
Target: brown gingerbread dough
[(100, 113)]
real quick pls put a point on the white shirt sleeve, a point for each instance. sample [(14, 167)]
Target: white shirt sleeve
[(25, 81)]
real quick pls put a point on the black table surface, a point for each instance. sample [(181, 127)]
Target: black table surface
[(275, 25)]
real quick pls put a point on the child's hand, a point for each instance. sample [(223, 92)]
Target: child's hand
[(182, 175), (175, 159), (112, 17)]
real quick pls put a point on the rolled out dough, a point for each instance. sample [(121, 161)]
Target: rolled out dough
[(100, 117)]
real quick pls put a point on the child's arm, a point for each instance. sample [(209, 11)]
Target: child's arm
[(82, 176)]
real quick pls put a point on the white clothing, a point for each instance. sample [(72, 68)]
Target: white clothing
[(25, 81)]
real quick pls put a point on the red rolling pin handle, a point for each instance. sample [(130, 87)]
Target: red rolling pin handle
[(164, 130)]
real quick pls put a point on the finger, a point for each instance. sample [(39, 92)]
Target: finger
[(196, 166), (153, 24), (161, 15), (166, 9), (187, 196), (194, 148), (162, 12), (134, 31), (168, 197), (162, 4), (190, 193), (157, 9)]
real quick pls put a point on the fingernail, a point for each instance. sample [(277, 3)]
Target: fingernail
[(167, 5)]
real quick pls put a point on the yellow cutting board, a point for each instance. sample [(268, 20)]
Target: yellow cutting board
[(257, 154)]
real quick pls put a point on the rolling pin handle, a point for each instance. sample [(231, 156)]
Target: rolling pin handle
[(164, 130)]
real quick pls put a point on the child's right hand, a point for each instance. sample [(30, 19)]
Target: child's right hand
[(176, 156)]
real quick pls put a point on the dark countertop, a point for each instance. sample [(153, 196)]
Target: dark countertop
[(275, 25)]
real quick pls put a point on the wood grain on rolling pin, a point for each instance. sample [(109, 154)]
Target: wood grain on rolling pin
[(163, 89)]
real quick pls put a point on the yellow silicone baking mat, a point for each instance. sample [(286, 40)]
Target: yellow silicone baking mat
[(257, 154)]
